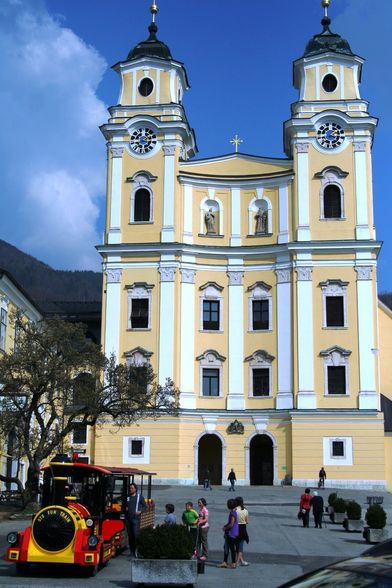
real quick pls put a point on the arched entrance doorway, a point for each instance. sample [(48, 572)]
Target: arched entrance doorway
[(210, 459), (261, 461)]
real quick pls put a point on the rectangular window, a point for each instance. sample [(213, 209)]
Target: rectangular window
[(211, 315), (79, 436), (261, 382), (337, 448), (139, 313), (3, 327), (210, 382), (336, 379), (135, 447), (260, 315), (334, 311)]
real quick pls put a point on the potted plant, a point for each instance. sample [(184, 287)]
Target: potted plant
[(353, 520), (339, 507), (376, 519), (164, 556)]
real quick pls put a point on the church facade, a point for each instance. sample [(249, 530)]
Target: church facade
[(249, 281)]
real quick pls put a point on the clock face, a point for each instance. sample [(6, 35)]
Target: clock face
[(330, 135), (143, 140)]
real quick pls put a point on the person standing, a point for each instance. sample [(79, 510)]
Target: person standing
[(231, 534), (190, 518), (207, 482), (304, 506), (135, 506), (317, 503), (322, 477), (243, 519), (170, 518), (232, 478), (203, 527)]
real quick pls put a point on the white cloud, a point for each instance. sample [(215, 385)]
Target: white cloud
[(52, 153)]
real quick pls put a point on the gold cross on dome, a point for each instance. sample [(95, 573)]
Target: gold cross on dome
[(236, 141)]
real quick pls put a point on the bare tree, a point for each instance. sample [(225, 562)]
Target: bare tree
[(56, 380)]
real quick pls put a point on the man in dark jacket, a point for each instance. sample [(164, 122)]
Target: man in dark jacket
[(317, 504)]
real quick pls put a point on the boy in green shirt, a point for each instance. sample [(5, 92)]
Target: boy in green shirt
[(190, 518)]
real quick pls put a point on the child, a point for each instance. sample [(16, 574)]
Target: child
[(170, 518), (190, 519)]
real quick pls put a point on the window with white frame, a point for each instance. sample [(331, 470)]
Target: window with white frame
[(3, 327), (210, 374), (79, 434), (211, 307), (338, 451), (334, 303), (139, 305), (260, 307), (336, 372), (260, 374), (136, 449), (138, 357), (142, 197), (332, 193)]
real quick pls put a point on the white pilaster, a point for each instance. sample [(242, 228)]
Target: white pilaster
[(188, 217), (284, 397), (166, 324), (306, 395), (235, 397), (167, 235), (114, 235), (113, 303), (235, 239), (303, 231), (366, 332), (362, 226), (187, 343), (283, 236)]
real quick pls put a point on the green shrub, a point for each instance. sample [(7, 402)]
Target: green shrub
[(353, 510), (339, 505), (165, 541), (331, 498), (376, 517)]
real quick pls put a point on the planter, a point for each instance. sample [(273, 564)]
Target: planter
[(353, 525), (375, 535), (339, 517), (164, 571)]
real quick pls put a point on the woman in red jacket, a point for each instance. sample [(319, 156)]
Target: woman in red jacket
[(304, 506)]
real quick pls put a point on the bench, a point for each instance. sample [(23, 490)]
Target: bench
[(374, 500)]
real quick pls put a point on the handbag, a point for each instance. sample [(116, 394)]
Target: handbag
[(299, 515)]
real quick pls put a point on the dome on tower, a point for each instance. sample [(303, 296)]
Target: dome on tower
[(151, 47), (327, 41)]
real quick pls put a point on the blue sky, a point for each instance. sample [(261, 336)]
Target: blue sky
[(56, 84)]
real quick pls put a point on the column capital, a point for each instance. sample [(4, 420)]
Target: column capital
[(114, 275), (188, 276), (304, 274), (364, 272), (116, 151), (167, 274), (235, 278), (302, 147), (169, 149), (283, 276), (359, 146)]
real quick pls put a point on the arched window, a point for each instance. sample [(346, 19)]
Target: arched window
[(332, 202), (142, 205)]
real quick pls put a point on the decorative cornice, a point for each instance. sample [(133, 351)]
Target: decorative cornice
[(235, 278), (113, 276), (167, 274), (188, 276), (283, 276), (364, 272), (304, 274)]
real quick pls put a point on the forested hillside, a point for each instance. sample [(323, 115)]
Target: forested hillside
[(44, 284)]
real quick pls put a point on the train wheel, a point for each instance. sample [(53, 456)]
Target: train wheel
[(22, 568), (91, 571)]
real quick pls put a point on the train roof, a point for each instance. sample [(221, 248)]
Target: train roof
[(104, 469)]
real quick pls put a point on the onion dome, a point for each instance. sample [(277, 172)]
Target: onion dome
[(327, 40), (151, 47)]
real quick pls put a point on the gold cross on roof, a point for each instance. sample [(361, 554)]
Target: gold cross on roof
[(236, 141)]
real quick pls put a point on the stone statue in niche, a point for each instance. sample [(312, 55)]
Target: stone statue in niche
[(261, 222), (210, 222)]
